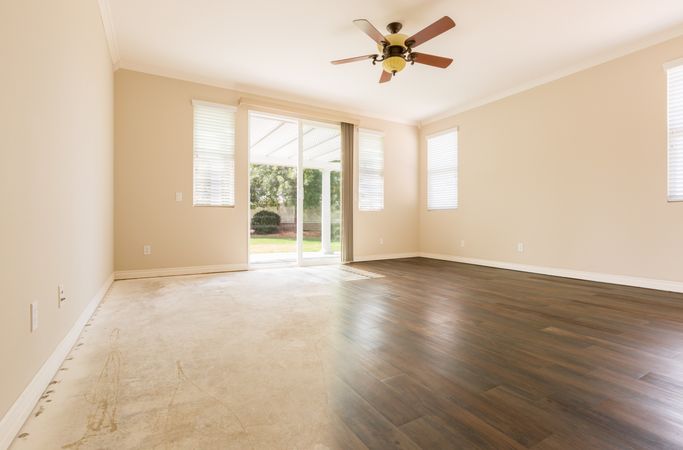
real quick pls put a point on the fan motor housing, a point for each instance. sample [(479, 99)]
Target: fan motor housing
[(397, 40)]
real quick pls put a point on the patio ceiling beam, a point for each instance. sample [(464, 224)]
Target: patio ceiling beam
[(318, 157), (336, 136), (322, 165), (270, 153), (265, 136)]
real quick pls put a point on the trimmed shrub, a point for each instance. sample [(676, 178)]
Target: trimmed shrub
[(265, 222), (265, 217), (265, 229)]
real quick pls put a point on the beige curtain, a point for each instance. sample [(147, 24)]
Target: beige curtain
[(347, 192)]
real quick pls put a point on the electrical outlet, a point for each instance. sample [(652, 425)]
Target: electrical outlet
[(381, 241), (147, 250), (61, 296), (34, 316), (179, 196), (520, 247), (462, 243)]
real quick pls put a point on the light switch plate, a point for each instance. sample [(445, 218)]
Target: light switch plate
[(179, 196), (61, 296)]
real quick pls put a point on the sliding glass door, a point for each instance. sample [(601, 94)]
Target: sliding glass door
[(295, 207)]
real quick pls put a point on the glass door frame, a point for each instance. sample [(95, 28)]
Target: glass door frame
[(301, 260)]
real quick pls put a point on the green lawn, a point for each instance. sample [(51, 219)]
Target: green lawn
[(284, 244)]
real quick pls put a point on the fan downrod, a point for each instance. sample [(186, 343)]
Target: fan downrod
[(394, 27)]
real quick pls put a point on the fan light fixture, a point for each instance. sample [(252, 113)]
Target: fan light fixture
[(394, 64)]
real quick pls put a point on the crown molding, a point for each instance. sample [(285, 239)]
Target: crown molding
[(621, 51), (613, 54), (259, 92), (110, 32)]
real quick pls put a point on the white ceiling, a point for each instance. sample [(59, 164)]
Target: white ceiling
[(282, 48)]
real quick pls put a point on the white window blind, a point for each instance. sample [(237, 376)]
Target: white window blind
[(675, 121), (371, 171), (214, 155), (442, 171)]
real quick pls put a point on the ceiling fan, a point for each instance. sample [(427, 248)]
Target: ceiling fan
[(396, 50)]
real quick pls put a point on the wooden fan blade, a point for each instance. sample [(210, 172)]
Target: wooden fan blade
[(386, 76), (354, 59), (367, 28), (440, 26), (432, 60)]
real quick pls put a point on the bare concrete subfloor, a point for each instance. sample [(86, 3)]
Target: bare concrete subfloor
[(238, 360)]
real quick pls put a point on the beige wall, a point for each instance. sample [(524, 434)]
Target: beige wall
[(153, 140), (575, 169), (397, 224), (56, 176)]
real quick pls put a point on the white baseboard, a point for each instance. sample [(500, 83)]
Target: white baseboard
[(648, 283), (174, 271), (12, 422), (385, 256)]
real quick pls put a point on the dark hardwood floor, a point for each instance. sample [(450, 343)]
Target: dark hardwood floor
[(447, 355)]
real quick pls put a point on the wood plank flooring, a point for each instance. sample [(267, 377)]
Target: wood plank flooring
[(429, 355), (446, 355)]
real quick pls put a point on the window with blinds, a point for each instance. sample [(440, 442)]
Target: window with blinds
[(370, 171), (214, 155), (442, 170), (675, 125)]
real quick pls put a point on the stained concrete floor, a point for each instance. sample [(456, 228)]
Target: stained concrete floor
[(238, 360)]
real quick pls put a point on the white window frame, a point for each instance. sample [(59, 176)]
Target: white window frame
[(455, 130), (672, 65), (379, 134), (232, 109)]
